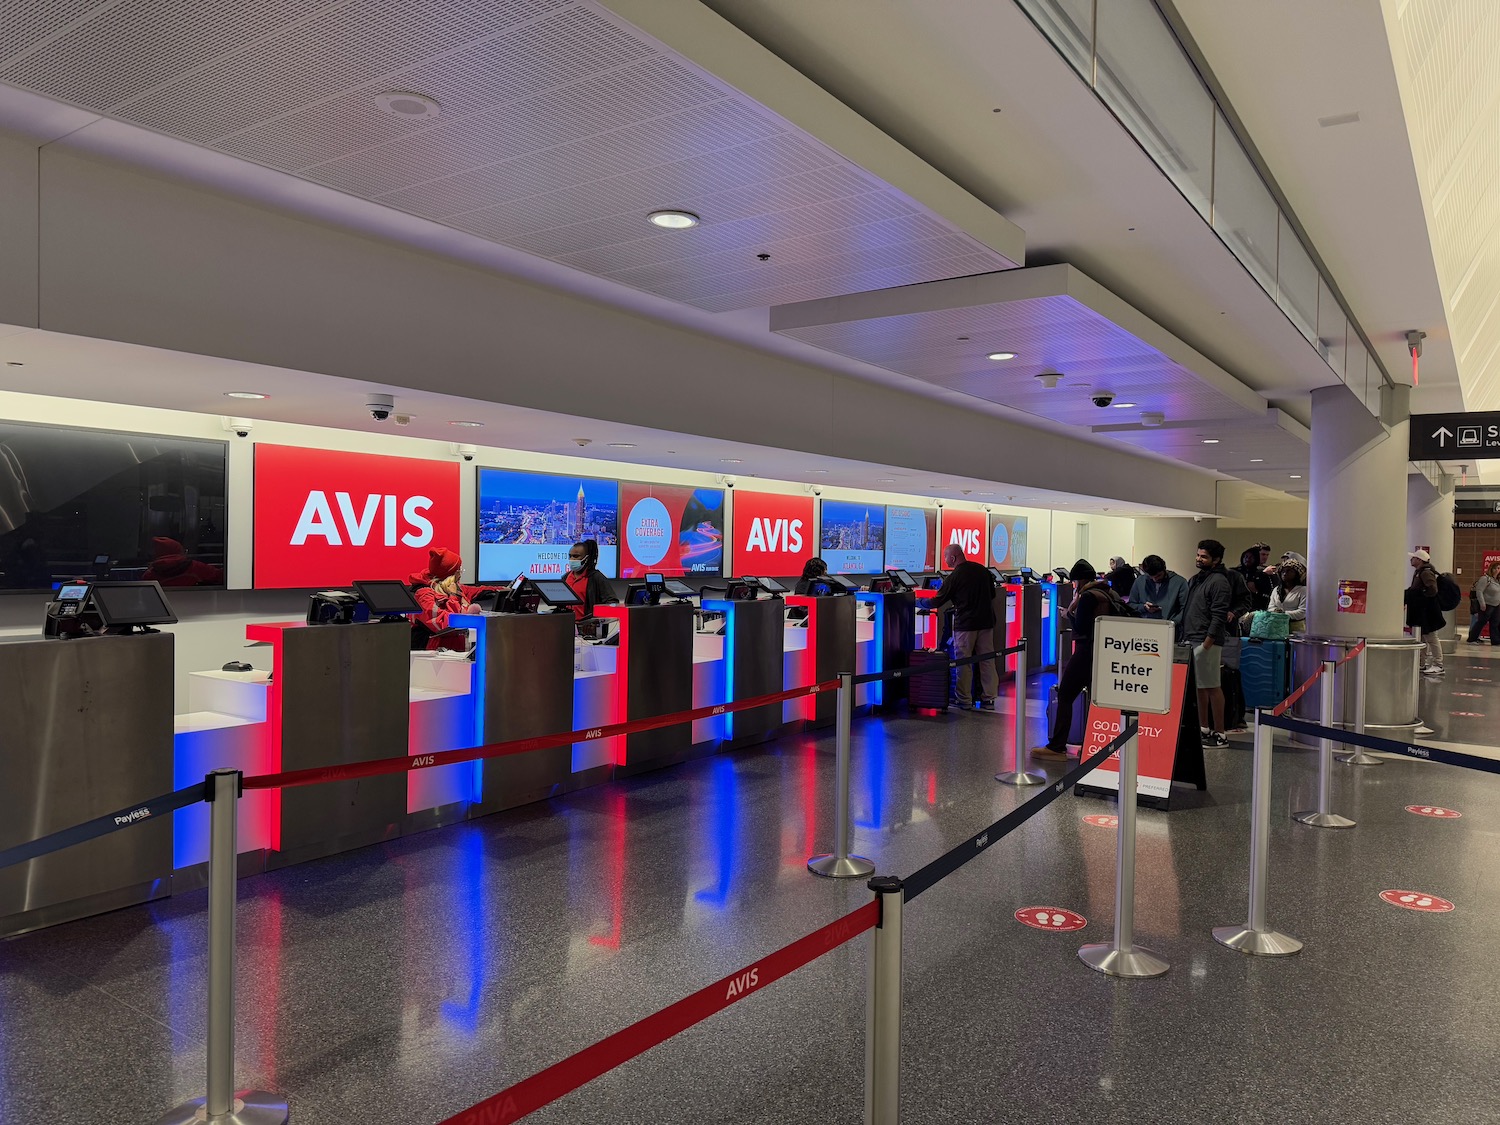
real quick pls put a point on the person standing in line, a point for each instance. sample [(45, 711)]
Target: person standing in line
[(1159, 594), (1090, 599), (1423, 614), (1290, 595), (971, 590), (1205, 621), (1258, 579), (1487, 594)]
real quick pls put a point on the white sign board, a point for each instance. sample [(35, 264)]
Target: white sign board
[(1132, 665)]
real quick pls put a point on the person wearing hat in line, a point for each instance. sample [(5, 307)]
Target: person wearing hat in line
[(1423, 613), (1090, 599)]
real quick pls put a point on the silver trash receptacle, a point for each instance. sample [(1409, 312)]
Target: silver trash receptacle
[(1393, 683)]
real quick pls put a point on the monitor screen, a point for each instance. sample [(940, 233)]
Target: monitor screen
[(73, 593), (677, 589), (528, 522), (910, 538), (75, 501), (934, 581), (637, 594), (771, 586), (674, 530), (851, 537), (132, 603), (999, 576), (387, 598), (904, 577), (839, 582), (556, 593)]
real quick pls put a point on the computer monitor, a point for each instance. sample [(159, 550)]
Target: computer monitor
[(903, 579), (843, 585), (997, 573), (742, 590), (771, 586), (882, 584), (677, 589), (640, 593), (387, 598), (933, 582), (125, 605), (556, 594)]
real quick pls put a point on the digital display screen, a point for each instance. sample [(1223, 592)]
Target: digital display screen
[(556, 593), (674, 530), (132, 603), (655, 579), (905, 578), (387, 598), (529, 521), (771, 586), (910, 538), (72, 593), (677, 589), (851, 537), (1008, 542)]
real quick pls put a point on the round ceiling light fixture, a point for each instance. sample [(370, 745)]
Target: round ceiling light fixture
[(1001, 357), (245, 394), (674, 220), (1296, 476), (1256, 460), (466, 422), (1210, 441), (732, 460), (1123, 405), (406, 105), (622, 445)]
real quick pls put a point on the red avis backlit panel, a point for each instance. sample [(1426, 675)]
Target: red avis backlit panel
[(968, 530), (773, 535), (327, 518)]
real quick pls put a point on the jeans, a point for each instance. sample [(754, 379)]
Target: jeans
[(966, 644), (1489, 616), (1076, 675)]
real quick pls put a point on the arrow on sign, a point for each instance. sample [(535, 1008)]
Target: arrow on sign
[(1443, 434)]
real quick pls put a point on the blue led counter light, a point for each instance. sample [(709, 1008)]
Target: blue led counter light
[(719, 605), (877, 652)]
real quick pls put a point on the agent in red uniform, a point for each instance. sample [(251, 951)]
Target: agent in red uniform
[(439, 593), (584, 579), (172, 567)]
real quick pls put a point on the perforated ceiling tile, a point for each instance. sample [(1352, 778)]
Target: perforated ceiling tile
[(26, 26)]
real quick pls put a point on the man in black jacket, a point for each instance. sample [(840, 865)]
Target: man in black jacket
[(971, 589), (1091, 599), (1209, 604)]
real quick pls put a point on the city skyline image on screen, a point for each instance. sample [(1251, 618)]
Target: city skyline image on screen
[(528, 522), (672, 530), (851, 537)]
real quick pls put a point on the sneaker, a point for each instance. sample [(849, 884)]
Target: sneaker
[(1433, 671), (1047, 754), (986, 704), (1204, 732), (1215, 741)]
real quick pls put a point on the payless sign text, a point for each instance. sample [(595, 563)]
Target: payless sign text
[(1133, 665)]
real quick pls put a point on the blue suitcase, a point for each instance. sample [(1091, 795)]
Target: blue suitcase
[(1263, 672)]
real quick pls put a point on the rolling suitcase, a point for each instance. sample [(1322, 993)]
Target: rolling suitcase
[(1080, 726), (929, 692), (1263, 673)]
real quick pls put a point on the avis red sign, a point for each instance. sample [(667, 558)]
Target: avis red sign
[(773, 535), (327, 518), (967, 529)]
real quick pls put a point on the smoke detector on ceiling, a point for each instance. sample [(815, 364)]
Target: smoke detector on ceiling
[(402, 103), (1049, 379), (1152, 418)]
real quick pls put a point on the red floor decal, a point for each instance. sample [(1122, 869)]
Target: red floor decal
[(1100, 821), (1437, 812), (1416, 900), (1053, 918)]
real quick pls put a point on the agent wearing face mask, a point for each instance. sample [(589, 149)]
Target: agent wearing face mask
[(584, 579)]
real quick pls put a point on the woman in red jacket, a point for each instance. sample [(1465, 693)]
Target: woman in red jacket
[(440, 594)]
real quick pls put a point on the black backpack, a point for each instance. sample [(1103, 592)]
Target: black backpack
[(1449, 594), (1118, 606)]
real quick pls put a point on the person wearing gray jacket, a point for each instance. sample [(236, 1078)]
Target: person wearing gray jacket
[(1204, 623), (1159, 593), (1487, 594)]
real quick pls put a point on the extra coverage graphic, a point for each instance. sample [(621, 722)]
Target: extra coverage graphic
[(852, 537), (528, 521), (910, 536), (673, 530), (1008, 542)]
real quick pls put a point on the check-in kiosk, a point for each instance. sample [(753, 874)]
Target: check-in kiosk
[(1024, 617), (831, 640), (1054, 622), (754, 656), (653, 676), (895, 613)]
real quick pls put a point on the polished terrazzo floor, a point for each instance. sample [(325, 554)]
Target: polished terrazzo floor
[(401, 983)]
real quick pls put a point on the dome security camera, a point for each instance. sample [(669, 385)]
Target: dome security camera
[(1103, 398), (467, 452), (239, 427), (380, 406)]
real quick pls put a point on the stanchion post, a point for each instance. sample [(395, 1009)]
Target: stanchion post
[(1361, 756), (883, 1011), (1324, 816), (842, 865), (1122, 957), (1017, 774), (1255, 936), (224, 1105)]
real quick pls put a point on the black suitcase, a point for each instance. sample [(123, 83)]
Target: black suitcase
[(1080, 728), (928, 692)]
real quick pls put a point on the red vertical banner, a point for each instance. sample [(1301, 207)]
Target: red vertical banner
[(772, 534), (967, 529)]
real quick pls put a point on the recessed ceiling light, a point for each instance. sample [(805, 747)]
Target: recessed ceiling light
[(885, 480), (1296, 476), (621, 445), (1256, 460), (465, 422), (1000, 357), (1123, 405), (732, 460), (227, 394), (403, 103), (1210, 441), (674, 220), (817, 470)]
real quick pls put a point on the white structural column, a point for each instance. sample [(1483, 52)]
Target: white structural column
[(1175, 539), (1429, 518), (1356, 519)]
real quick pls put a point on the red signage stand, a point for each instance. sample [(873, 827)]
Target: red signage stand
[(1170, 748)]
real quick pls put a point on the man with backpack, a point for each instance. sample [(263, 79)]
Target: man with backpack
[(970, 588), (1205, 622), (1093, 599), (1429, 594)]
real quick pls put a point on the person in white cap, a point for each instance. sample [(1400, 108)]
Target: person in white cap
[(1423, 613)]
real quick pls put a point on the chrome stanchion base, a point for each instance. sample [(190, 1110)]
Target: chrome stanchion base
[(1261, 943), (1021, 777), (1118, 963), (1359, 758), (841, 867), (251, 1107), (1323, 820)]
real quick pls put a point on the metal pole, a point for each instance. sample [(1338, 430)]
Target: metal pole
[(1360, 756), (1255, 936), (842, 865), (1324, 816), (1017, 774), (223, 1105), (883, 1013), (1122, 958)]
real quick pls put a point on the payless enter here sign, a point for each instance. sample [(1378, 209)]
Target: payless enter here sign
[(1133, 665)]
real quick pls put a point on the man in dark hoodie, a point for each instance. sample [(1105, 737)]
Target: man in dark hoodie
[(970, 588), (1424, 615), (1092, 599), (1204, 625)]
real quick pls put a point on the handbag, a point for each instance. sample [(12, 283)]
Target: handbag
[(1267, 626)]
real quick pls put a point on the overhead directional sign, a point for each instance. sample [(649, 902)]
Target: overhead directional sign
[(1449, 437)]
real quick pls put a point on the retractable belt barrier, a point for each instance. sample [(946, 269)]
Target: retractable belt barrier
[(137, 813), (1286, 704), (1388, 745), (933, 669), (546, 1086)]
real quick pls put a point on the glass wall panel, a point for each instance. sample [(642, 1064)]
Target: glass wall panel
[(1296, 280), (1244, 214), (1332, 329), (1069, 24), (1147, 80), (1356, 367)]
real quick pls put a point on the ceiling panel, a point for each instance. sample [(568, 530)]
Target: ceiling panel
[(560, 127)]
